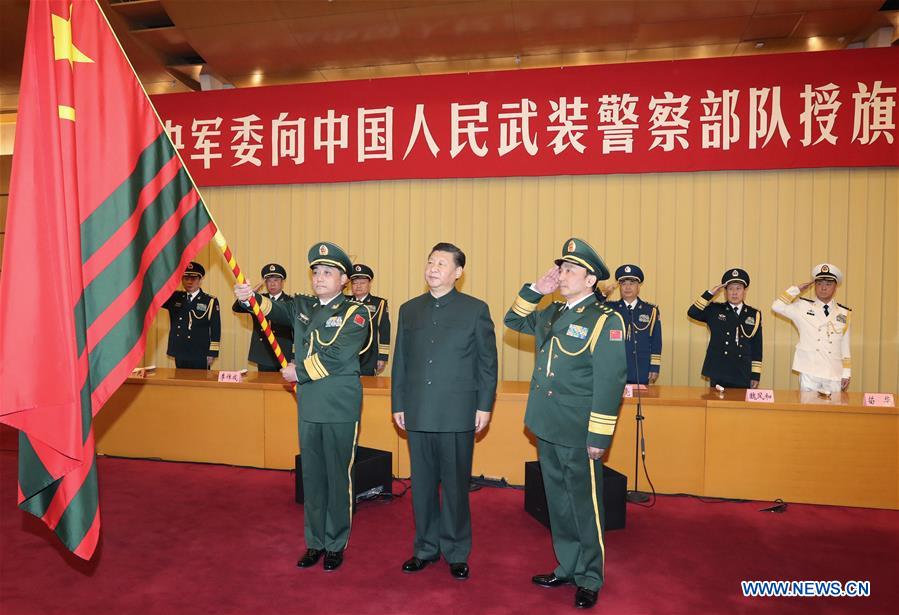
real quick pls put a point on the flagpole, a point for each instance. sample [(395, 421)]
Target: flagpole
[(218, 238)]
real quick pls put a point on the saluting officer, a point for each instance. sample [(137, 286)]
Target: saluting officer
[(644, 326), (375, 358), (261, 352), (822, 355), (579, 376), (330, 330), (195, 328), (733, 358)]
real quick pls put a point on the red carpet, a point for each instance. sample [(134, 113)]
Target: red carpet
[(188, 538)]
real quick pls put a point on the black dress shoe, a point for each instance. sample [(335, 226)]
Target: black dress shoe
[(549, 580), (311, 558), (585, 598), (459, 571), (333, 560), (414, 564)]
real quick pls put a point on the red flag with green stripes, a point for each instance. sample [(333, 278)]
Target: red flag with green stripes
[(102, 219)]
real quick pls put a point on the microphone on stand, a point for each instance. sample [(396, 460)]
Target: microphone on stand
[(636, 495)]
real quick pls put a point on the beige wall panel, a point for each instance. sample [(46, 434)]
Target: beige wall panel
[(889, 343), (683, 229)]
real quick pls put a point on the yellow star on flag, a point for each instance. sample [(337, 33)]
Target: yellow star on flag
[(63, 47)]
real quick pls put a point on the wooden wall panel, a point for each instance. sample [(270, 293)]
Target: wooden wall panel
[(683, 229)]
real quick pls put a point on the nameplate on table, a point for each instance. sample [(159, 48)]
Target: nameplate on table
[(880, 400), (229, 376), (630, 388), (765, 396)]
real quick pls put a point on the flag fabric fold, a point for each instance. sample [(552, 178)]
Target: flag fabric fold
[(101, 222)]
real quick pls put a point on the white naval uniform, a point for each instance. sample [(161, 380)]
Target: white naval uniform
[(822, 354)]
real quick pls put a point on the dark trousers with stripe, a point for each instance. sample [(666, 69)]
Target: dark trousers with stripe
[(328, 451), (442, 525), (573, 485)]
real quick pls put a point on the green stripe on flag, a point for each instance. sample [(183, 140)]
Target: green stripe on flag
[(87, 414), (111, 350), (109, 284), (118, 207), (81, 511), (36, 483)]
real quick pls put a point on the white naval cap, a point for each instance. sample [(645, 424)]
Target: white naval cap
[(826, 271)]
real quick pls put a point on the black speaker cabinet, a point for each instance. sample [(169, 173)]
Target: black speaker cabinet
[(614, 496), (372, 468)]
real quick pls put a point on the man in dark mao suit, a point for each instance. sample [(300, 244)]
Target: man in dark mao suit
[(443, 387)]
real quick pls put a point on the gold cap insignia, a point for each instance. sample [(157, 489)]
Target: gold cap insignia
[(734, 273), (358, 268), (271, 267), (627, 269), (572, 246), (825, 269), (323, 250), (190, 266)]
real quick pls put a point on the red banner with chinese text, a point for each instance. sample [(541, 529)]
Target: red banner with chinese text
[(825, 109)]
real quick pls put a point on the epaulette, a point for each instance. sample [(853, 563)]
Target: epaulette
[(356, 301), (805, 299), (844, 307), (604, 308)]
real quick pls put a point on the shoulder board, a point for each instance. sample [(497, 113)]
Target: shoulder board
[(558, 302), (604, 308), (355, 301), (806, 299), (844, 307), (650, 305)]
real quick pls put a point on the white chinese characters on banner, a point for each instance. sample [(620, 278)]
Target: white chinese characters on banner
[(667, 123), (873, 113), (763, 122), (617, 122), (468, 121), (288, 139), (560, 125), (248, 139), (821, 104), (203, 131), (720, 122)]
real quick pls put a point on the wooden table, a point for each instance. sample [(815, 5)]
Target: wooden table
[(801, 448)]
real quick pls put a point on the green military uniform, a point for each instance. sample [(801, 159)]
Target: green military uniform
[(328, 340), (261, 352), (379, 348), (574, 400), (444, 370)]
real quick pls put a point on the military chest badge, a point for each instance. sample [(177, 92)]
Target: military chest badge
[(722, 317), (201, 307), (334, 321), (359, 320), (616, 335), (750, 320), (644, 318), (841, 318), (303, 318), (577, 331), (371, 308)]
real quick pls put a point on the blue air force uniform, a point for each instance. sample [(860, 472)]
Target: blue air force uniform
[(195, 329), (733, 358), (644, 330)]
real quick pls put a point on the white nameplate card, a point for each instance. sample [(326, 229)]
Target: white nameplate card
[(880, 400), (765, 396), (229, 376), (630, 388)]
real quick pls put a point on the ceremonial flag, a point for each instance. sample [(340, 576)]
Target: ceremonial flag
[(102, 220)]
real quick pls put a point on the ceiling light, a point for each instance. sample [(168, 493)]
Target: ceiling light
[(759, 44)]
